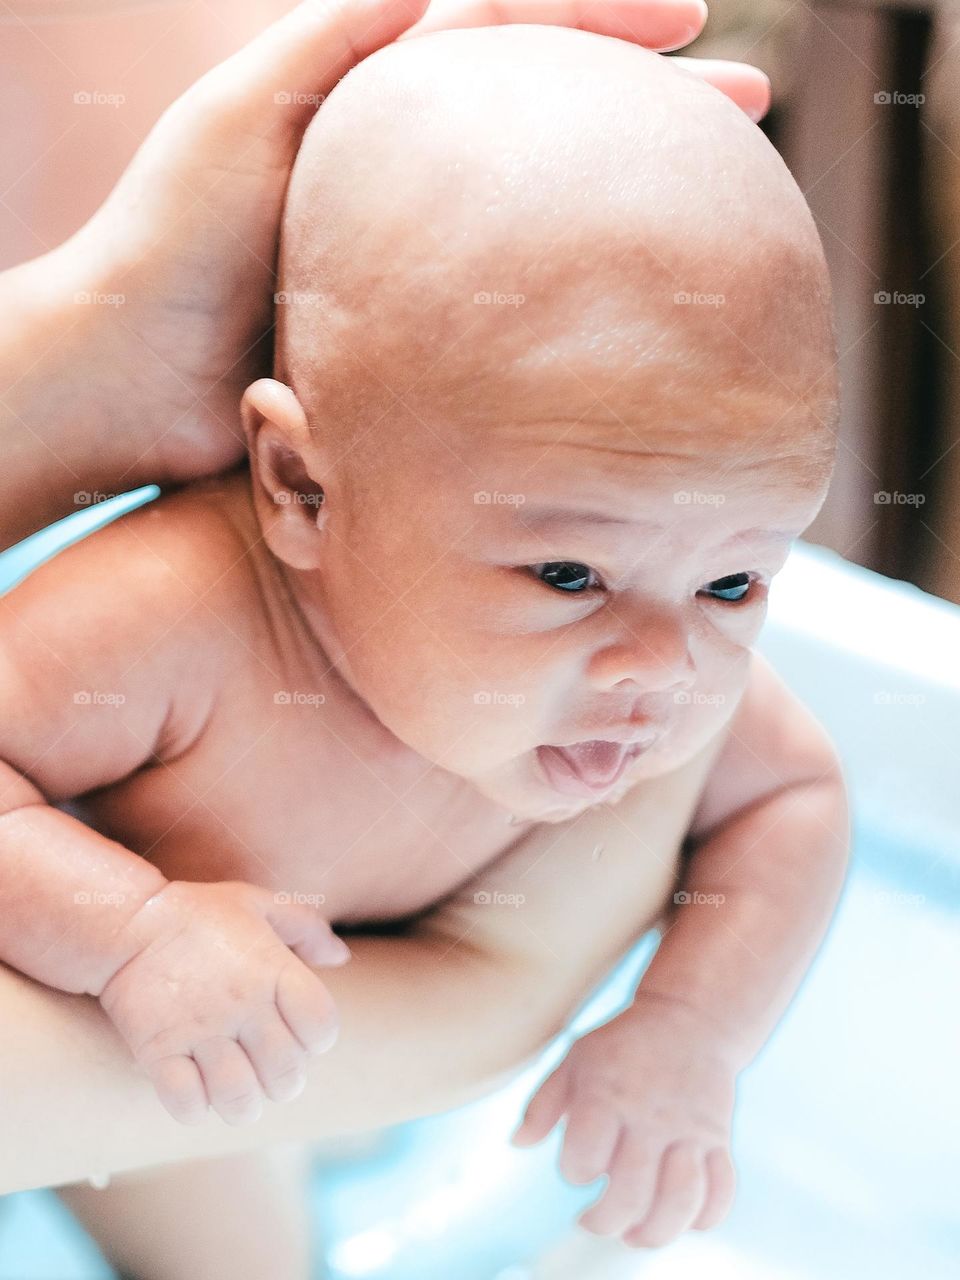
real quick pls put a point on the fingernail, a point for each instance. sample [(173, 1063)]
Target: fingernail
[(696, 27), (327, 1043), (756, 113)]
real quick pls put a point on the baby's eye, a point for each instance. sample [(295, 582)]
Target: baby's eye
[(732, 588), (565, 575)]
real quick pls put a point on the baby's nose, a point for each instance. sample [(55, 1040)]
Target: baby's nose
[(651, 651)]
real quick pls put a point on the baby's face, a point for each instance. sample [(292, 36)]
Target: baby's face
[(550, 518), (521, 586)]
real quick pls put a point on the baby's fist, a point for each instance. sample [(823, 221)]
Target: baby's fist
[(218, 1004)]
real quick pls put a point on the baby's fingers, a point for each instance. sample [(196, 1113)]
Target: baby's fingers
[(279, 1060), (179, 1086), (680, 1191), (589, 1141), (721, 1189), (304, 930), (229, 1079), (632, 1186), (543, 1111), (307, 1007)]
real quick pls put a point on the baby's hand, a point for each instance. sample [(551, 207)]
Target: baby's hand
[(215, 1004), (649, 1100)]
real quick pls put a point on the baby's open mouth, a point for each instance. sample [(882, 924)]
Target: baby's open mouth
[(587, 768)]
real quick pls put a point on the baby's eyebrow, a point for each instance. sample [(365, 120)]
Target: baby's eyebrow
[(538, 515), (541, 514)]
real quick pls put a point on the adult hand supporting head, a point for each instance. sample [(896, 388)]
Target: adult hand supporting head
[(110, 396)]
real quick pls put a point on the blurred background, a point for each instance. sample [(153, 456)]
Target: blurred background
[(867, 116)]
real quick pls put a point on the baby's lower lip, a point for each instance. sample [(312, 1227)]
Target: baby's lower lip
[(577, 777)]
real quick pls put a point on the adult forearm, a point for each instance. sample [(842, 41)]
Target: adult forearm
[(422, 1028)]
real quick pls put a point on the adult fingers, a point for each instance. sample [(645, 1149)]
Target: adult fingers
[(747, 86), (655, 24)]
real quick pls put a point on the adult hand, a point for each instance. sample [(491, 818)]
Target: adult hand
[(110, 396)]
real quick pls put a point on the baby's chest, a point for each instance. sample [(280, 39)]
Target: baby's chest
[(306, 814)]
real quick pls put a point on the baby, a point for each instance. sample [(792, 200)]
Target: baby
[(555, 391)]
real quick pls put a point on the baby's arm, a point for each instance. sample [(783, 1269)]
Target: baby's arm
[(649, 1096), (85, 700), (771, 838)]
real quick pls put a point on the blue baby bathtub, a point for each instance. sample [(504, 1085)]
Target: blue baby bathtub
[(847, 1129)]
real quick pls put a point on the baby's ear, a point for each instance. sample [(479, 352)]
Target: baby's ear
[(283, 467)]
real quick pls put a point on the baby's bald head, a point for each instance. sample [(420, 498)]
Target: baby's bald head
[(563, 392), (634, 232)]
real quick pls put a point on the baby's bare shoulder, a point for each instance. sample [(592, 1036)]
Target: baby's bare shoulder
[(113, 647)]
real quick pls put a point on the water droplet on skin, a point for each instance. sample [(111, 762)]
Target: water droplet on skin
[(99, 1181), (595, 856)]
